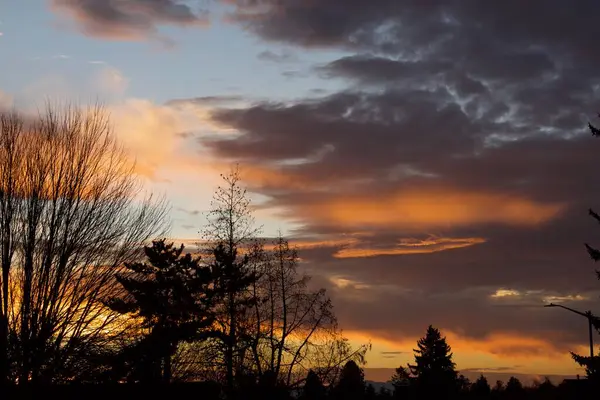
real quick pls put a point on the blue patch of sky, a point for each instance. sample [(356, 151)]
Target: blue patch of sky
[(220, 59)]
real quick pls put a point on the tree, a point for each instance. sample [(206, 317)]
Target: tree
[(498, 387), (313, 388), (402, 380), (172, 295), (433, 372), (295, 328), (463, 384), (481, 388), (545, 388), (514, 387), (370, 392), (70, 215), (229, 232), (591, 364), (384, 393), (270, 322), (351, 383)]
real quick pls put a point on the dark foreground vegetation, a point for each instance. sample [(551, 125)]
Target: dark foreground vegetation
[(92, 303)]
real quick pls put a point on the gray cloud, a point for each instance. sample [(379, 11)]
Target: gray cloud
[(277, 57), (134, 19), (462, 96), (459, 96), (189, 212), (207, 100)]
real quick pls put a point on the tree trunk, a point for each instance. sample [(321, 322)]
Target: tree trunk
[(230, 342), (4, 367)]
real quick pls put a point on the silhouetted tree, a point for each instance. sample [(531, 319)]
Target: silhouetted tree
[(463, 384), (70, 215), (294, 327), (402, 381), (497, 390), (370, 393), (434, 369), (172, 295), (545, 389), (514, 388), (351, 383), (591, 365), (313, 387), (481, 388), (384, 393), (230, 233)]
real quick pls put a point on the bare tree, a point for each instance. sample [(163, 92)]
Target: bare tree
[(71, 213), (295, 327), (272, 323)]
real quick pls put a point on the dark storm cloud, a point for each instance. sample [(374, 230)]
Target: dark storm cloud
[(372, 69), (356, 125), (416, 28), (481, 107), (132, 19)]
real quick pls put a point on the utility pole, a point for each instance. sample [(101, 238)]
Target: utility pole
[(590, 317)]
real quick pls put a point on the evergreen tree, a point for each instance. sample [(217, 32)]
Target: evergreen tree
[(433, 373), (171, 295), (402, 382), (384, 393), (463, 384), (313, 387), (498, 387), (591, 364), (370, 393), (514, 387), (230, 233), (433, 360), (481, 388), (351, 385)]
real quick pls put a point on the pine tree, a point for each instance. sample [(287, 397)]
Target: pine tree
[(434, 371), (481, 388), (591, 364), (370, 393), (313, 387), (401, 381), (230, 234), (514, 387), (351, 385), (171, 295), (232, 279)]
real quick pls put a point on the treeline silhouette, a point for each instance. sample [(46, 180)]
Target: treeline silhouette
[(92, 302), (85, 300)]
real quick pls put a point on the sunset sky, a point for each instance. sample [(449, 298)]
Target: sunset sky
[(430, 158)]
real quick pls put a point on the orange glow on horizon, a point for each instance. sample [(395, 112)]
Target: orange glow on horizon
[(516, 353)]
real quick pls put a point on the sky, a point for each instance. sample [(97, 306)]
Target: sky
[(430, 158)]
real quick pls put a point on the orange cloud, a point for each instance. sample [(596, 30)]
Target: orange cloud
[(430, 209), (153, 134), (410, 246)]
